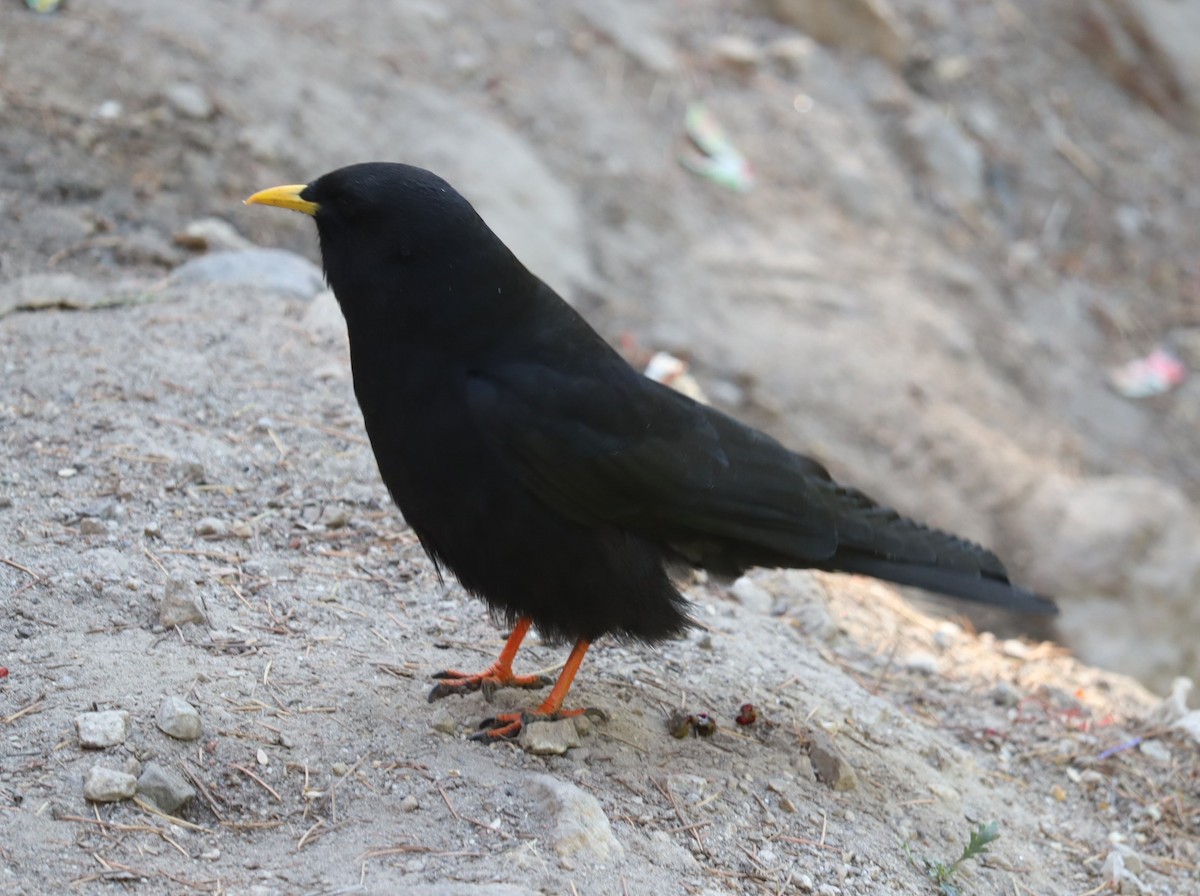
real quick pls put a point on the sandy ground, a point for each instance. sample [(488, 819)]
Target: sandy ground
[(217, 411)]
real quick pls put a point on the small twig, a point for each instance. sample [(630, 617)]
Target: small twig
[(115, 825), (687, 827), (25, 569), (154, 810), (304, 837), (665, 789), (202, 789), (35, 706), (474, 821), (257, 780)]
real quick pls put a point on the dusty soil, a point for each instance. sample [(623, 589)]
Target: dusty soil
[(153, 431), (217, 411)]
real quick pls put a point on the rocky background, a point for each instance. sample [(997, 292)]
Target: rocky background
[(966, 215)]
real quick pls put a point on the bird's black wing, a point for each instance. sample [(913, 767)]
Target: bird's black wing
[(622, 449), (614, 447)]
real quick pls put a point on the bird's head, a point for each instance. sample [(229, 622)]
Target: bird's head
[(391, 234)]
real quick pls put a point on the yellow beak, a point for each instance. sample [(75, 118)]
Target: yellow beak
[(284, 197)]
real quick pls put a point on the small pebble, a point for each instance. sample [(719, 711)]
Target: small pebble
[(737, 52), (922, 663), (179, 719), (211, 527), (1018, 650), (98, 730), (1156, 750), (341, 769), (188, 100), (831, 767), (409, 804), (106, 785), (178, 606), (90, 526), (164, 787), (1005, 694), (792, 54), (549, 738), (752, 595)]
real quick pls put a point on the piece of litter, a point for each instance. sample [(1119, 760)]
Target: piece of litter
[(665, 368), (1174, 706), (1157, 373), (1120, 748), (717, 158)]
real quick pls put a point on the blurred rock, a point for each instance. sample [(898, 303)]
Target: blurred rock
[(209, 234), (323, 318), (189, 100), (581, 830), (751, 595), (276, 270), (1101, 542), (791, 54), (736, 52), (868, 26)]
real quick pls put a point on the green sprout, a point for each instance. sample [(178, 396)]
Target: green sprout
[(942, 874)]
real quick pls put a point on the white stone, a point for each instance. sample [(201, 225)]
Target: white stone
[(98, 730)]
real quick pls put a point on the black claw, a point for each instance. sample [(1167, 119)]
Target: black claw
[(438, 691)]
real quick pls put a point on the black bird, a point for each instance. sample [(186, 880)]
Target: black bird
[(555, 481)]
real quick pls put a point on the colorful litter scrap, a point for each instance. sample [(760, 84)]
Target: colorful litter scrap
[(713, 155), (1157, 373)]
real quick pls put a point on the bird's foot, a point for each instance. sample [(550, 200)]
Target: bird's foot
[(508, 725), (488, 681)]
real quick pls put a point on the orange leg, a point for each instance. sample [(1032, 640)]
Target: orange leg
[(507, 725), (498, 675)]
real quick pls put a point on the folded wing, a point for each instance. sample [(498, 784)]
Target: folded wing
[(624, 450)]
